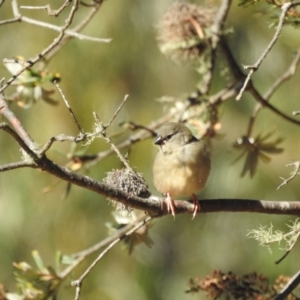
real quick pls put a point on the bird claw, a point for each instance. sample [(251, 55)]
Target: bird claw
[(197, 206), (170, 205)]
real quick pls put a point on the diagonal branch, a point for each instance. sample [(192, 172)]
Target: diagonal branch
[(285, 8), (31, 62), (290, 286)]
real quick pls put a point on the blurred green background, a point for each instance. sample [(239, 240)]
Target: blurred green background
[(95, 77)]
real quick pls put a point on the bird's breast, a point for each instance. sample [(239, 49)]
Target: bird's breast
[(182, 172)]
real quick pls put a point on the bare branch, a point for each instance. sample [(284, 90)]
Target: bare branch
[(101, 130), (70, 33), (22, 135), (216, 30), (148, 132), (17, 165), (80, 256), (287, 252), (240, 94), (218, 24), (285, 7), (69, 108), (56, 41), (284, 77), (293, 174), (77, 28), (116, 112), (62, 138), (51, 12), (240, 76), (8, 21), (14, 5), (78, 283), (18, 139), (290, 286)]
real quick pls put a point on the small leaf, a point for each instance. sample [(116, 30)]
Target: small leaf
[(38, 260)]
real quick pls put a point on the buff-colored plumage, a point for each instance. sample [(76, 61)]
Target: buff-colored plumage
[(182, 165)]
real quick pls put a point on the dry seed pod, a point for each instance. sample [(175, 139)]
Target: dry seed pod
[(182, 31)]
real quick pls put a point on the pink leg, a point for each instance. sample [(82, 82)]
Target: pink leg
[(170, 205), (197, 206)]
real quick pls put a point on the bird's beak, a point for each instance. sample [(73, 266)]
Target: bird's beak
[(159, 140)]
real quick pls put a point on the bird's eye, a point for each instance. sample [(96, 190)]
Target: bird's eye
[(168, 137)]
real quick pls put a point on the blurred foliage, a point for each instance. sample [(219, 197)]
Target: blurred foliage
[(95, 77), (138, 237), (255, 149), (38, 284), (29, 84), (271, 9)]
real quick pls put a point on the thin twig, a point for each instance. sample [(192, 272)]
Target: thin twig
[(240, 76), (8, 21), (78, 283), (285, 7), (78, 28), (31, 62), (265, 103), (21, 134), (134, 126), (121, 233), (17, 165), (18, 139), (284, 77), (70, 33), (15, 8), (116, 112), (219, 21), (289, 287), (139, 136), (69, 108), (51, 12), (63, 138), (101, 130), (216, 32), (80, 256), (293, 174), (240, 94), (287, 252)]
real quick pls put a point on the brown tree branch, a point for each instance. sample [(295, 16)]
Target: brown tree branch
[(17, 165), (216, 31), (284, 77), (20, 133), (17, 138), (290, 286), (239, 76)]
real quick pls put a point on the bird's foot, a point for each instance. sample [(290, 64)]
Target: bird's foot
[(170, 205), (197, 206)]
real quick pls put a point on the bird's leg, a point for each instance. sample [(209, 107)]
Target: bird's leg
[(170, 205), (197, 206)]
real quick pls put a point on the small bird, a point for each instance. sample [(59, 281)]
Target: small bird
[(182, 165)]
